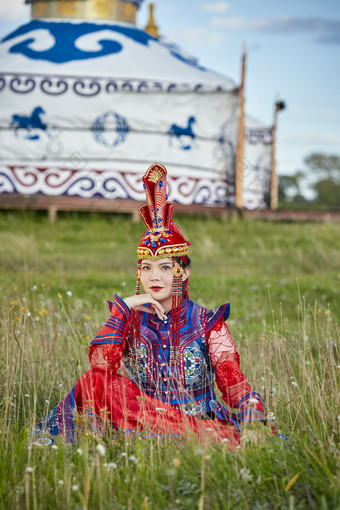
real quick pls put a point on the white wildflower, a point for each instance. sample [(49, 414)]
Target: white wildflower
[(245, 438), (27, 395), (271, 416), (60, 385), (34, 288), (54, 447), (245, 474), (69, 293), (47, 401), (225, 440), (110, 465), (29, 469), (60, 482), (123, 454), (80, 451), (294, 384), (75, 487), (101, 449)]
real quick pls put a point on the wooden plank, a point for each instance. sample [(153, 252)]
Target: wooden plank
[(13, 201), (65, 203)]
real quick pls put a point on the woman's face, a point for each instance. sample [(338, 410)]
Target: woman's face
[(156, 278)]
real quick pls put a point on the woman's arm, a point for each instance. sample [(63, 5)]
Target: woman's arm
[(232, 383), (108, 347)]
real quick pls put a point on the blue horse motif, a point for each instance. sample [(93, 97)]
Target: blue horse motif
[(32, 121), (185, 135)]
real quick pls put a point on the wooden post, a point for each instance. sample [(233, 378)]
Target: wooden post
[(240, 137), (279, 105), (273, 176), (52, 213)]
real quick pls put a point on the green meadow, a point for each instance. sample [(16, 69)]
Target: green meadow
[(283, 283)]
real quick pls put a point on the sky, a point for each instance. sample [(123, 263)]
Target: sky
[(293, 54)]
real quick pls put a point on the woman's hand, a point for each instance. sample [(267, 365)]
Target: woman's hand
[(139, 302), (98, 362)]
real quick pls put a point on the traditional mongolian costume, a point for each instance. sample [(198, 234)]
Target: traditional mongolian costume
[(168, 368)]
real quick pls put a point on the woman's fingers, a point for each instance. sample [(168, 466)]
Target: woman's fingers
[(154, 308), (139, 302)]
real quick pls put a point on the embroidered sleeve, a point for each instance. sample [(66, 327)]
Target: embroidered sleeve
[(232, 383), (108, 346)]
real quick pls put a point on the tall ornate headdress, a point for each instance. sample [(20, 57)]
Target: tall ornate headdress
[(162, 239)]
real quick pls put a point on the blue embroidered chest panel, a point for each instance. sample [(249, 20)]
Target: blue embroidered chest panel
[(190, 383)]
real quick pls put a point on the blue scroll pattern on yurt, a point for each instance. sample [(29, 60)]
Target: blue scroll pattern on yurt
[(65, 38)]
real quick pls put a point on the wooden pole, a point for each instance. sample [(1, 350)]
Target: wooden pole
[(273, 176), (240, 137), (278, 106)]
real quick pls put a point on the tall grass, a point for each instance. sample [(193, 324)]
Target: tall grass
[(283, 283)]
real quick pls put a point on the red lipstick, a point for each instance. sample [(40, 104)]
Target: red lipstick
[(156, 288)]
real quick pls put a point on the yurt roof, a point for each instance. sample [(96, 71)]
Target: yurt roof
[(98, 49)]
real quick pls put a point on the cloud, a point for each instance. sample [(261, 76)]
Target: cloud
[(217, 7), (197, 35), (15, 10), (328, 29)]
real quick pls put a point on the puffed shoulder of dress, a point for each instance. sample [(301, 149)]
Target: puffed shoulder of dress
[(213, 317)]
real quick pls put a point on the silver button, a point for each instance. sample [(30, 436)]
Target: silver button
[(163, 364), (166, 392), (164, 346), (164, 379)]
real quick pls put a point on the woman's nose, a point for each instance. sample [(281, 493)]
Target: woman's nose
[(155, 275)]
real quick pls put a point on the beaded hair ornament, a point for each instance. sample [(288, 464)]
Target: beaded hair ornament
[(162, 239)]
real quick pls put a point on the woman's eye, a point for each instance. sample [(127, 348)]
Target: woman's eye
[(166, 267), (145, 268)]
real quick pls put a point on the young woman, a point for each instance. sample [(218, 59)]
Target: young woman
[(155, 362)]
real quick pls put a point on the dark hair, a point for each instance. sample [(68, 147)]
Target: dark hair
[(186, 261)]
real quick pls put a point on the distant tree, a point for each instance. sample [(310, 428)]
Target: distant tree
[(327, 185), (324, 172), (327, 193), (289, 187), (324, 165)]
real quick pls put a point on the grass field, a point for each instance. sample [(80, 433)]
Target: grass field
[(283, 282)]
